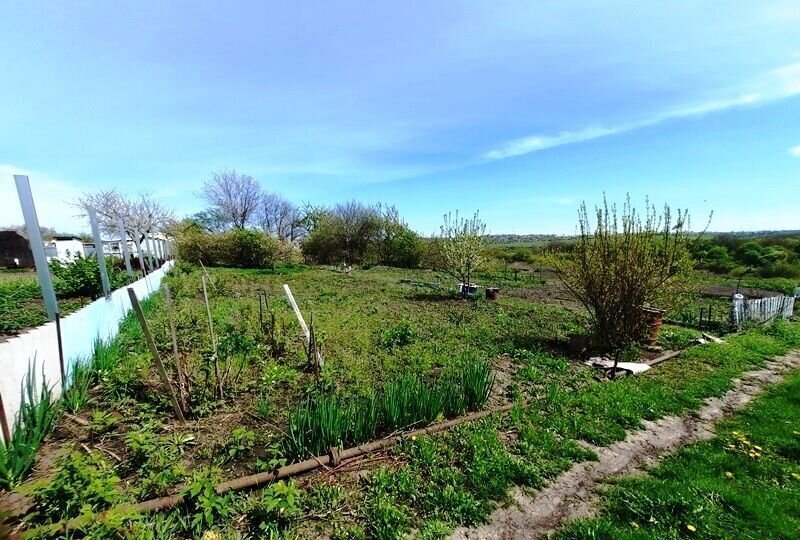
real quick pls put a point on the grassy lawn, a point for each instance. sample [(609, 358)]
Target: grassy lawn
[(378, 336), (744, 483)]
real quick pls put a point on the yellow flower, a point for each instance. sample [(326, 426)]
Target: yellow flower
[(729, 474), (210, 535), (634, 525), (758, 448), (413, 437), (796, 476), (691, 527)]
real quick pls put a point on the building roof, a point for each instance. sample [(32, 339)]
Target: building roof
[(9, 233)]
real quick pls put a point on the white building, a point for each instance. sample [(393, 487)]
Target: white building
[(64, 248)]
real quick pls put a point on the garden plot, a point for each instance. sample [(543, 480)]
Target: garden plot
[(395, 358)]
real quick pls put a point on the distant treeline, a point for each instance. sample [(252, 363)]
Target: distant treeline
[(772, 255)]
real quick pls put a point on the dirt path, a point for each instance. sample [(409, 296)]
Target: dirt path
[(572, 495)]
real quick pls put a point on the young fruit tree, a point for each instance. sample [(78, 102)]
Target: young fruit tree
[(627, 262), (462, 244)]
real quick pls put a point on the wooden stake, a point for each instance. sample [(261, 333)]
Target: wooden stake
[(175, 353), (156, 357), (213, 339), (302, 322), (4, 423)]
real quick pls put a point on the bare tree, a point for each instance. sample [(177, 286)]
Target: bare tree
[(139, 216), (234, 197), (279, 217)]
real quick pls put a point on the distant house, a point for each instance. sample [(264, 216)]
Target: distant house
[(15, 250), (64, 248)]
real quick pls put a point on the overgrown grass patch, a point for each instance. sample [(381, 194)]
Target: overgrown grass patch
[(744, 483)]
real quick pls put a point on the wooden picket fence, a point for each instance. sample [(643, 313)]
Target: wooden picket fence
[(762, 309)]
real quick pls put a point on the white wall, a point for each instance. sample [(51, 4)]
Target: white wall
[(79, 330)]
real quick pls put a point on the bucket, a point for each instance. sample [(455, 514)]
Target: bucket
[(492, 293), (654, 319)]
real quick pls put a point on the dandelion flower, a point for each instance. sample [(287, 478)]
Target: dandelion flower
[(634, 525), (413, 437), (729, 474), (691, 527)]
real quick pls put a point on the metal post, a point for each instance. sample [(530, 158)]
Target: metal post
[(139, 252), (125, 253), (98, 251), (149, 242), (36, 244), (61, 353)]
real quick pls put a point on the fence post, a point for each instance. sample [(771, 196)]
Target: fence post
[(139, 253), (125, 253), (36, 244), (150, 252), (98, 251)]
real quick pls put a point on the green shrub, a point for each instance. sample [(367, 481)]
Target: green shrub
[(82, 277), (240, 248)]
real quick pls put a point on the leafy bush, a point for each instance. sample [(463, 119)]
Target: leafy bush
[(82, 277), (361, 234), (240, 248), (622, 264)]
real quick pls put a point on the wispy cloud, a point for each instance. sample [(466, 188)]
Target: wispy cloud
[(795, 150), (774, 85)]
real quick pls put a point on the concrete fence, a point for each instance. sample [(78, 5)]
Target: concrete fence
[(38, 348)]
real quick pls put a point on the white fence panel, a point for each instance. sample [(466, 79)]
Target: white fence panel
[(761, 309), (79, 331)]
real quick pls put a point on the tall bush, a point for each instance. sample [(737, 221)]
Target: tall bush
[(627, 261), (356, 233), (240, 248), (462, 244)]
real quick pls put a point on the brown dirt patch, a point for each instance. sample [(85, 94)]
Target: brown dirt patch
[(573, 494)]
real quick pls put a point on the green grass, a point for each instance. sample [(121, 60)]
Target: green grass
[(744, 483), (394, 357)]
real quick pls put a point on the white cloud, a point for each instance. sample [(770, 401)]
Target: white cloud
[(795, 150), (52, 197), (780, 83)]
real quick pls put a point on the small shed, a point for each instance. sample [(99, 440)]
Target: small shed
[(65, 248), (15, 250)]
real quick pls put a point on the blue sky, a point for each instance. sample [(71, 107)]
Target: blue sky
[(519, 109)]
